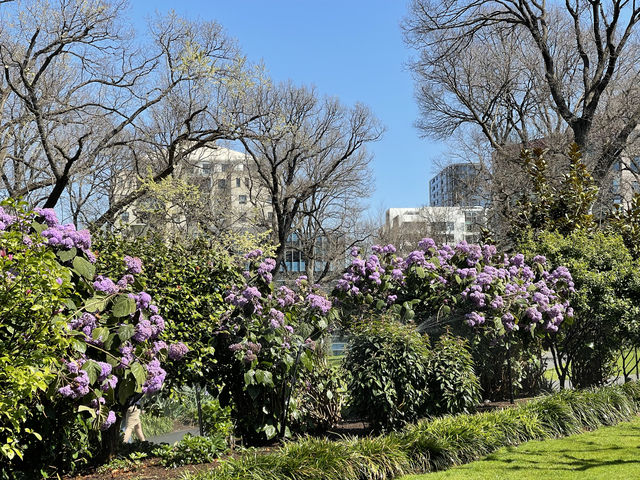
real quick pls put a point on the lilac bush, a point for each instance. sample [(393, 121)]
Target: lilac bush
[(437, 284), (114, 331), (500, 302), (266, 339)]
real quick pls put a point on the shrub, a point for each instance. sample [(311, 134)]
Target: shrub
[(192, 450), (388, 366), (607, 284), (318, 398), (265, 343), (500, 303), (453, 384), (87, 340), (216, 420)]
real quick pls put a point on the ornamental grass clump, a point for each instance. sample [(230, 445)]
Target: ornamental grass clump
[(435, 444)]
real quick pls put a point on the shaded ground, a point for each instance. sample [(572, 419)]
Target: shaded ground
[(150, 469)]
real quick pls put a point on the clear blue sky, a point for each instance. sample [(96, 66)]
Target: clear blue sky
[(352, 49)]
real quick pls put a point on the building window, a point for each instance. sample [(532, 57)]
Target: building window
[(242, 199), (206, 168), (237, 182), (125, 216), (270, 216), (222, 183), (225, 167)]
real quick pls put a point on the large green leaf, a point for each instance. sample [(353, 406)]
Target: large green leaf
[(123, 306), (66, 255), (84, 268), (139, 373)]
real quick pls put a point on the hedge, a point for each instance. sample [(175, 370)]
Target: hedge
[(436, 444)]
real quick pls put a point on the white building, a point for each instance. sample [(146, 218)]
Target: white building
[(406, 226)]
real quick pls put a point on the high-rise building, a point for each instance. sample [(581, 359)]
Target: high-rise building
[(457, 185)]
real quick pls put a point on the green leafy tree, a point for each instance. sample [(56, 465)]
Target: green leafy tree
[(605, 302), (33, 286), (562, 207)]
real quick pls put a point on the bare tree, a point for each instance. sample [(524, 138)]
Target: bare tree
[(301, 146), (82, 101), (331, 222), (527, 69)]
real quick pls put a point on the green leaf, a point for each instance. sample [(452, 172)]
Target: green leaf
[(66, 255), (123, 306), (139, 373), (84, 268), (126, 331), (95, 304), (39, 227), (270, 431), (79, 345), (126, 388), (92, 369)]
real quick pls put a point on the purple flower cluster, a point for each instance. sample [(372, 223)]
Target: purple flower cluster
[(6, 219), (105, 285), (155, 377), (319, 302), (110, 420), (177, 351), (78, 387), (485, 284), (134, 264)]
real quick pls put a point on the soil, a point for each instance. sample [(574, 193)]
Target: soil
[(149, 469)]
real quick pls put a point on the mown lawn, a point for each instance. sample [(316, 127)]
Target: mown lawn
[(609, 453)]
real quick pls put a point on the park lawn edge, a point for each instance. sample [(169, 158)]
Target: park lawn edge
[(435, 444)]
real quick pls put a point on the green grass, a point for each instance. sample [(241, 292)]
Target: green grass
[(609, 453), (335, 360), (550, 373)]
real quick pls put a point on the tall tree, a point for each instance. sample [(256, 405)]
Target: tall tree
[(82, 101), (301, 147), (526, 69)]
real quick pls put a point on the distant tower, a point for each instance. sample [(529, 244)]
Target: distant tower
[(457, 185)]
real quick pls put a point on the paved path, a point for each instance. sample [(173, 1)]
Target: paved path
[(173, 437)]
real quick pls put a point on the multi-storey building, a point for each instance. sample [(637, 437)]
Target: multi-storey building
[(457, 185), (451, 225)]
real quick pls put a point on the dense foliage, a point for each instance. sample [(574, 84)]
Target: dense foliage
[(33, 286), (453, 384), (188, 280), (388, 367), (110, 329), (502, 304), (607, 284), (318, 398), (192, 450)]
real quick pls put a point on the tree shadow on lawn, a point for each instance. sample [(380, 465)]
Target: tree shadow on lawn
[(569, 459)]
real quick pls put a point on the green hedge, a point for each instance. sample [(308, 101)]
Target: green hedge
[(437, 444)]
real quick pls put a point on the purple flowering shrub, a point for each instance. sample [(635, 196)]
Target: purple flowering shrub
[(267, 340), (497, 301), (434, 285), (111, 331), (33, 286)]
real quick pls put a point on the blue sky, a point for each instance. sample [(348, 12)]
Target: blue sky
[(351, 49)]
